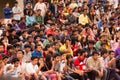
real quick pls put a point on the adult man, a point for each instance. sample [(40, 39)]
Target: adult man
[(38, 51), (94, 66), (32, 69), (83, 18), (42, 6), (16, 12)]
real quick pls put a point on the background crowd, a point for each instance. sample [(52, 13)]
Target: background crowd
[(61, 40)]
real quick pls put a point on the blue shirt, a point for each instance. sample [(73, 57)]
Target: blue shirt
[(35, 53), (7, 12)]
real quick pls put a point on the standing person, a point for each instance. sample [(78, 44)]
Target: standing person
[(27, 8), (16, 12), (42, 6), (7, 13)]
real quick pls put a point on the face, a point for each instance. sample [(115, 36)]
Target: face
[(40, 0), (50, 38), (7, 5), (27, 49), (90, 45), (19, 54), (14, 33), (39, 48), (57, 59), (5, 60), (16, 64), (105, 55), (95, 56), (35, 61), (111, 55)]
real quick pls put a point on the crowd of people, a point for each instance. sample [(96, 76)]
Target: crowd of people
[(61, 40)]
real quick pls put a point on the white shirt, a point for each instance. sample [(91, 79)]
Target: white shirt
[(30, 68), (114, 2), (42, 7), (27, 56), (16, 10)]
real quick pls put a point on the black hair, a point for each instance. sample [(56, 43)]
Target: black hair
[(21, 51), (111, 51), (10, 25), (5, 57), (16, 2), (91, 42), (56, 55), (9, 47), (50, 35), (34, 57), (104, 51), (95, 52), (16, 45), (27, 46), (14, 60), (37, 46), (68, 56), (80, 51)]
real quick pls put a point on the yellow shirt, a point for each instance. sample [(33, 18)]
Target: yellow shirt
[(83, 19), (63, 47)]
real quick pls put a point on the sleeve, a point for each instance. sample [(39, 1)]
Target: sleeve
[(13, 10), (76, 63), (35, 8), (29, 69), (5, 12)]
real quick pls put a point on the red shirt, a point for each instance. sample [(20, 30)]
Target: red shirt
[(50, 31), (80, 62)]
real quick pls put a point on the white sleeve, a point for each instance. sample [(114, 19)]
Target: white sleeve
[(29, 69), (35, 8), (13, 10)]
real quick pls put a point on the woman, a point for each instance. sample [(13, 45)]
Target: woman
[(30, 19), (48, 18)]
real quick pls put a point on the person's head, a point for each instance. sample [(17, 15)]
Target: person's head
[(16, 3), (1, 47), (69, 58), (85, 11), (10, 49), (22, 20), (50, 37), (36, 25), (20, 54), (37, 38), (56, 57), (7, 5), (28, 5), (103, 45), (67, 42), (95, 55), (30, 39), (16, 47), (81, 53), (38, 48), (13, 32), (16, 62), (111, 54), (5, 59), (34, 60), (48, 47), (91, 43), (104, 53)]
